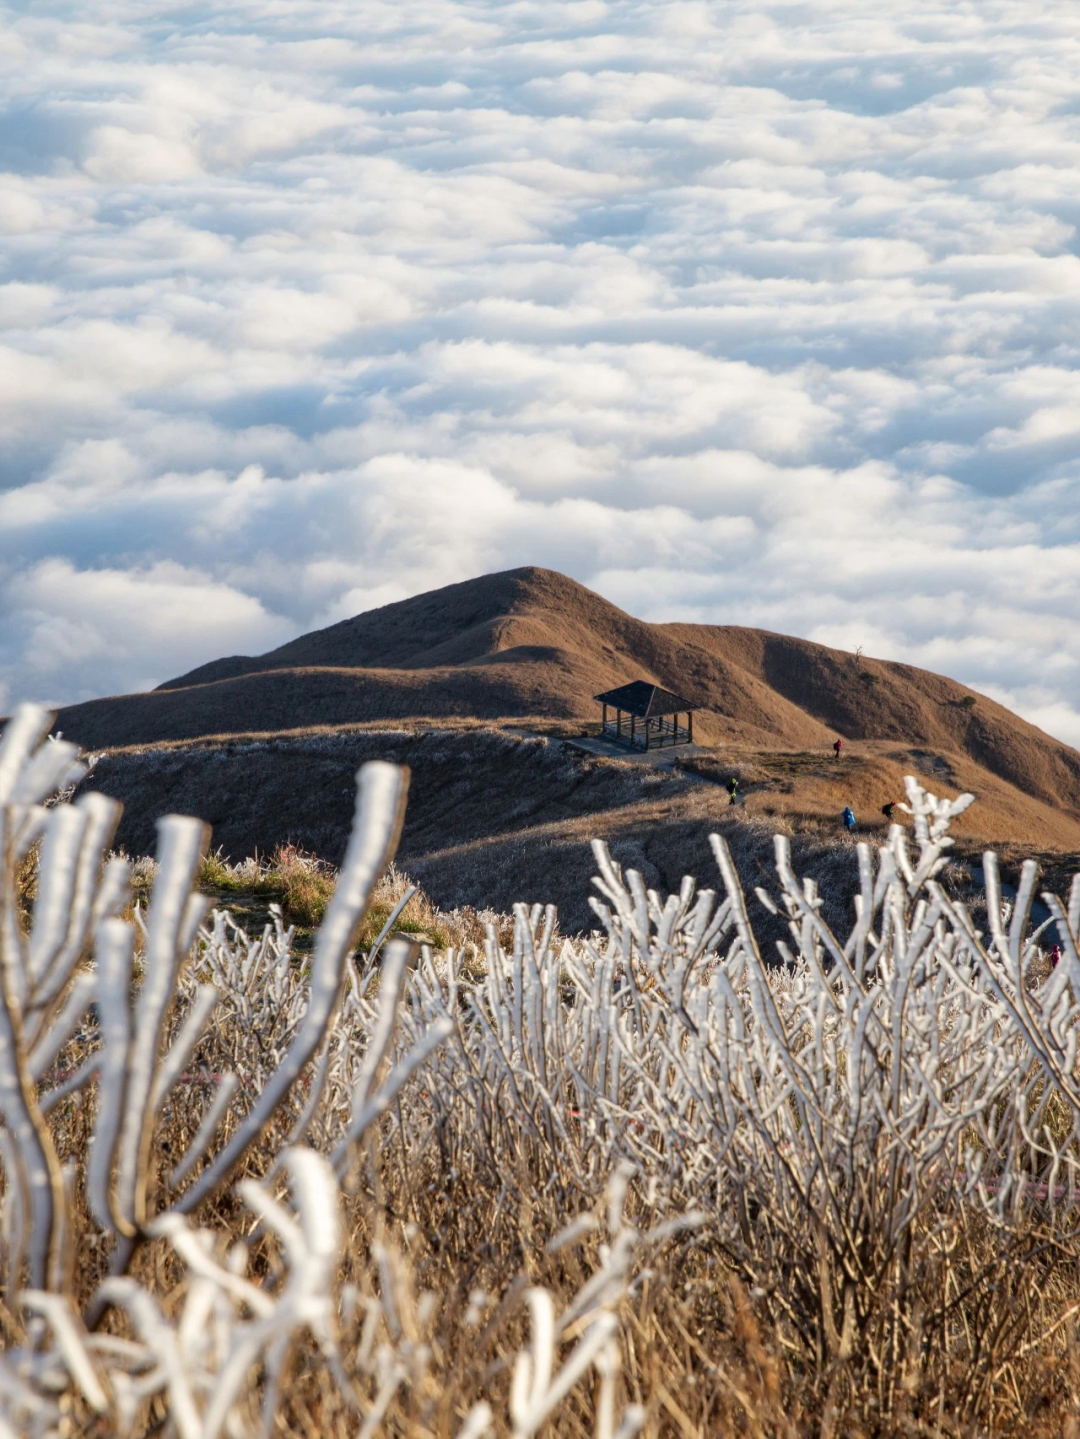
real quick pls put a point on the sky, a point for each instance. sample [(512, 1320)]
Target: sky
[(748, 313)]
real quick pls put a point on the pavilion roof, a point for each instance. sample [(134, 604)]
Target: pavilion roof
[(640, 698)]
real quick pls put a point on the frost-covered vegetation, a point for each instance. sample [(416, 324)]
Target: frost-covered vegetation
[(654, 1181)]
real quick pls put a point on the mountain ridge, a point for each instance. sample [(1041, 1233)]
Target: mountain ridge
[(531, 642)]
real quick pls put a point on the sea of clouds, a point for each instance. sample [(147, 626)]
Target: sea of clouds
[(761, 313)]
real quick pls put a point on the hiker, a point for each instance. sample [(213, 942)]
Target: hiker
[(1055, 956), (887, 809), (733, 789), (837, 747), (848, 818)]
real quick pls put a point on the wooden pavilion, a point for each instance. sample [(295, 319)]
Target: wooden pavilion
[(646, 716)]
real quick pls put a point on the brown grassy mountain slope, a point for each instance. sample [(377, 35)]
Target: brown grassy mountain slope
[(497, 815), (531, 642)]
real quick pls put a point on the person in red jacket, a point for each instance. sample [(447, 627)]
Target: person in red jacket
[(837, 747)]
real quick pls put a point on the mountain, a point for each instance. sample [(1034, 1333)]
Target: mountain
[(531, 643), (485, 690)]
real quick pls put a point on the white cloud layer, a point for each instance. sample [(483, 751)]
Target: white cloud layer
[(762, 313)]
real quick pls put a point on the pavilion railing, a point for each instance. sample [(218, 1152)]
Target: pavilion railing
[(654, 733)]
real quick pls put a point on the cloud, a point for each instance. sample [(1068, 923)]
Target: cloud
[(77, 623), (749, 313)]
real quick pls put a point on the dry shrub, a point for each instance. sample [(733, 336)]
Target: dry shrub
[(415, 915), (26, 883), (305, 882), (302, 883)]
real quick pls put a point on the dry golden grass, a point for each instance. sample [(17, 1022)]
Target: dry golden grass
[(462, 1232), (301, 885)]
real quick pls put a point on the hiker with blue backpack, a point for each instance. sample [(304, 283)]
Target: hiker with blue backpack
[(848, 818)]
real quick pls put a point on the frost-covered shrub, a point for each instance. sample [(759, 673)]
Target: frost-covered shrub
[(215, 1155), (160, 995)]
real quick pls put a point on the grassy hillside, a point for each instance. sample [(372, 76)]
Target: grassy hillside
[(499, 814), (532, 644)]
